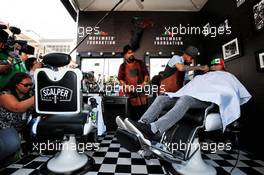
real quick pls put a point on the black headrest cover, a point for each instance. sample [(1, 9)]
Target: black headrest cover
[(57, 59)]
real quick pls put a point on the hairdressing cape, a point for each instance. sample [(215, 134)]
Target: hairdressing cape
[(221, 88)]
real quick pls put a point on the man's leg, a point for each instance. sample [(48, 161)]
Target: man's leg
[(9, 142), (137, 111), (155, 109), (176, 113)]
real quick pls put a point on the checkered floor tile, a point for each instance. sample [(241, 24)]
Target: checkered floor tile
[(113, 159)]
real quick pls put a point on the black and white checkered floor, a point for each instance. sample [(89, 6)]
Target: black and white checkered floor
[(112, 159)]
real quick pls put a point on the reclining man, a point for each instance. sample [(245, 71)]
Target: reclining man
[(216, 86)]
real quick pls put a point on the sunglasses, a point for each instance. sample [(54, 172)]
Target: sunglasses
[(27, 85)]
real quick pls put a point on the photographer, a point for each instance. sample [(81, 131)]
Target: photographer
[(32, 64), (15, 101), (13, 53), (17, 65), (4, 63)]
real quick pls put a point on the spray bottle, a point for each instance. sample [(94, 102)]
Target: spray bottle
[(94, 112)]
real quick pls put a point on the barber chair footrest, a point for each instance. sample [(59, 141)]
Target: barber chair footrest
[(128, 140)]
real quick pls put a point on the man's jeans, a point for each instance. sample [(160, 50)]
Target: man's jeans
[(9, 142), (178, 107)]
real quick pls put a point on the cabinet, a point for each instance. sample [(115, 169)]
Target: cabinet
[(114, 106)]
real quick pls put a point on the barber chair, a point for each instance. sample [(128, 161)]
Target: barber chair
[(186, 160), (58, 101)]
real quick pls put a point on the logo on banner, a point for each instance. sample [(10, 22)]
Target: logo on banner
[(55, 94), (168, 38), (96, 36)]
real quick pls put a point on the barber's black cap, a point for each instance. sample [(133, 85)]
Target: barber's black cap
[(192, 51)]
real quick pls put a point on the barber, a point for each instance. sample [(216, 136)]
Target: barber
[(177, 69), (132, 74)]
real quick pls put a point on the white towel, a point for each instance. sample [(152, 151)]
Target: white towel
[(221, 88)]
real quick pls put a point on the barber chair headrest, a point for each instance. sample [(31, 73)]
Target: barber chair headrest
[(57, 59), (57, 92), (213, 122), (213, 119)]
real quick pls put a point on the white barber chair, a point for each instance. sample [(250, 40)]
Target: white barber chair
[(58, 101)]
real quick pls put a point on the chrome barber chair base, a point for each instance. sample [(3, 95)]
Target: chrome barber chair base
[(196, 165), (68, 159)]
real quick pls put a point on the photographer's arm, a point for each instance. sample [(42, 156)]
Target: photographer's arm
[(10, 102)]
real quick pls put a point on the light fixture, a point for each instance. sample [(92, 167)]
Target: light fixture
[(101, 53), (147, 53), (172, 53), (113, 53), (160, 53), (89, 53)]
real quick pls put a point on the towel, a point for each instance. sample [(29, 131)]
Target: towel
[(221, 88)]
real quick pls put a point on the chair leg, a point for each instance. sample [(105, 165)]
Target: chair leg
[(68, 159), (196, 165)]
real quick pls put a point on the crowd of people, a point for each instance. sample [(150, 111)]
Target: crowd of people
[(16, 95)]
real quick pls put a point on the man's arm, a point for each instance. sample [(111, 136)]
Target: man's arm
[(10, 103), (121, 75), (146, 79), (182, 67), (122, 82)]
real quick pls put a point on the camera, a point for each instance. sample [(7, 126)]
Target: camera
[(11, 48), (8, 43)]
